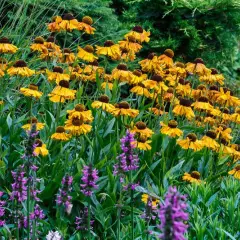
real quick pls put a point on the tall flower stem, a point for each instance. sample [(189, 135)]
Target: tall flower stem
[(132, 214), (119, 212), (89, 219)]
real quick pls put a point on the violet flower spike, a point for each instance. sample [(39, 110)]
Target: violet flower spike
[(89, 178), (172, 215)]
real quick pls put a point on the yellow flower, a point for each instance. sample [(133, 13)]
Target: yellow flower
[(171, 129), (38, 45), (54, 26), (68, 23), (57, 75), (197, 67), (167, 58), (178, 70), (6, 46), (137, 77), (130, 44), (123, 108), (151, 64), (226, 99), (213, 77), (236, 116), (147, 198), (127, 55), (202, 104), (31, 91), (80, 112), (209, 140), (121, 73), (223, 132), (141, 130), (20, 69), (110, 49), (183, 88), (40, 149), (1, 73), (184, 109), (141, 90), (139, 34), (93, 68), (53, 50), (156, 83), (143, 144), (60, 134), (77, 126), (103, 103), (67, 56), (3, 64), (201, 91), (157, 110), (194, 177), (86, 53), (85, 25), (191, 142), (104, 85), (235, 172), (62, 92), (28, 126)]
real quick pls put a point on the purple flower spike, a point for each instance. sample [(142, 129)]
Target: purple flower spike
[(128, 161), (2, 210), (63, 197), (172, 215), (89, 178)]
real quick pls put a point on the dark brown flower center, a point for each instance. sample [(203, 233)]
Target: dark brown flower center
[(237, 110), (4, 40), (170, 90), (214, 71), (20, 63), (50, 39), (60, 129), (137, 72), (89, 48), (157, 78), (223, 141), (123, 105), (237, 167), (77, 122), (94, 63), (169, 53), (88, 20), (142, 139), (198, 60), (131, 39), (185, 102), (104, 99), (179, 64), (224, 127), (195, 175), (79, 108), (211, 134), (213, 88), (38, 142), (201, 87), (39, 40), (67, 16), (141, 125), (227, 90), (33, 87), (3, 61), (67, 50), (203, 99), (32, 120), (151, 55), (64, 83), (192, 137), (172, 124), (225, 110), (58, 69), (138, 29), (122, 67), (181, 81), (108, 43)]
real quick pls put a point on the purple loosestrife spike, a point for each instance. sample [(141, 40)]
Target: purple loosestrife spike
[(19, 186), (82, 221), (63, 197), (172, 213), (128, 161), (2, 210), (89, 178), (37, 213)]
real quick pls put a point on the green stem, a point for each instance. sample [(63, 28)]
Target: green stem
[(89, 220), (132, 214), (119, 212)]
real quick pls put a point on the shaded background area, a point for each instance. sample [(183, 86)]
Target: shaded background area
[(209, 29)]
